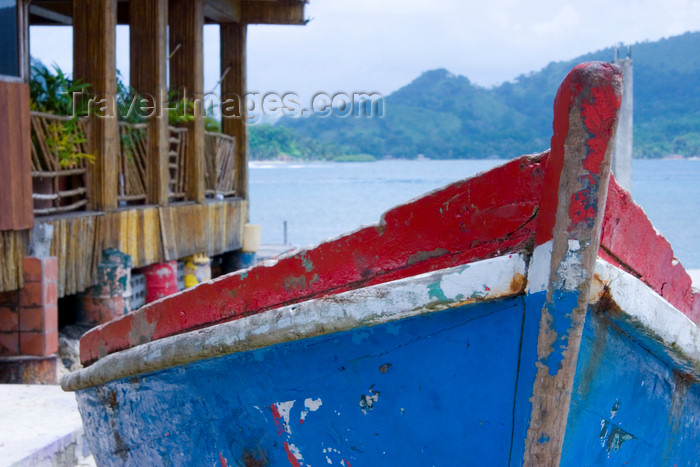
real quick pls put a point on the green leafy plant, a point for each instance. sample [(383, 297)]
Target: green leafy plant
[(182, 110), (63, 139), (52, 92)]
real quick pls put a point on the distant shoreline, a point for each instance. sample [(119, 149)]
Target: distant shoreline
[(282, 162)]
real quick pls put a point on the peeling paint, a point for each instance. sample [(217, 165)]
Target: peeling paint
[(293, 454), (612, 437), (367, 401), (310, 405), (280, 414), (435, 291), (306, 262), (424, 255), (295, 283)]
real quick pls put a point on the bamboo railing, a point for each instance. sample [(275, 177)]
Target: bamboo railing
[(63, 188), (57, 188), (219, 155), (133, 158), (177, 148)]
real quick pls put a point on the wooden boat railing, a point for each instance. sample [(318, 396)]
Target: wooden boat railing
[(219, 156), (57, 187)]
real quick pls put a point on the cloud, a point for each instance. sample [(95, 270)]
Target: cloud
[(380, 45)]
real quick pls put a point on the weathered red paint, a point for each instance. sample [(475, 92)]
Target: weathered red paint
[(599, 105), (222, 460), (631, 242), (278, 419), (290, 455), (469, 220)]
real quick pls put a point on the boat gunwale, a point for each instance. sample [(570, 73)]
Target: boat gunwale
[(625, 300), (481, 281), (648, 318)]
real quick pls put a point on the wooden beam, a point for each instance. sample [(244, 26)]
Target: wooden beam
[(50, 12), (187, 79), (273, 12), (50, 16), (149, 56), (233, 85), (94, 63), (222, 11)]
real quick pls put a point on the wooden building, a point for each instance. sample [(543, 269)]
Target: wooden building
[(154, 192)]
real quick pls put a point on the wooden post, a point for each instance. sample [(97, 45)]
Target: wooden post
[(94, 63), (15, 158), (23, 25), (187, 78), (233, 59), (148, 53)]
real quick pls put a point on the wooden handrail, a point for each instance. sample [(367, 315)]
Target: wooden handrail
[(62, 189)]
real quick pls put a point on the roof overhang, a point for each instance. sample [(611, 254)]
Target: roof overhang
[(60, 12)]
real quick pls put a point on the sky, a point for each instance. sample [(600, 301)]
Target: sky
[(380, 45)]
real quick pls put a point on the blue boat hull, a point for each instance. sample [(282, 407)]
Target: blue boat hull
[(405, 392), (445, 388)]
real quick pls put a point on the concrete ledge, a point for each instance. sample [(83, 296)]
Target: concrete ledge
[(40, 426)]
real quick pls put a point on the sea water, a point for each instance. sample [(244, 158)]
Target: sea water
[(324, 200)]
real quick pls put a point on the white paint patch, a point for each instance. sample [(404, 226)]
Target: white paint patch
[(481, 281), (648, 315), (367, 401), (284, 408), (310, 405), (571, 269), (540, 265), (313, 404)]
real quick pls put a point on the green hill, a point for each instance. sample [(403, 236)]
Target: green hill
[(441, 115)]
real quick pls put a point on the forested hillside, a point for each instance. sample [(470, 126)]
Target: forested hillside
[(441, 115)]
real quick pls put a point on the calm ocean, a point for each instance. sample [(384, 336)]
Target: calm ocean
[(323, 200)]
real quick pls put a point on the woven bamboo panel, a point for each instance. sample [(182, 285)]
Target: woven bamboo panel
[(13, 245), (219, 157), (133, 157), (177, 149)]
